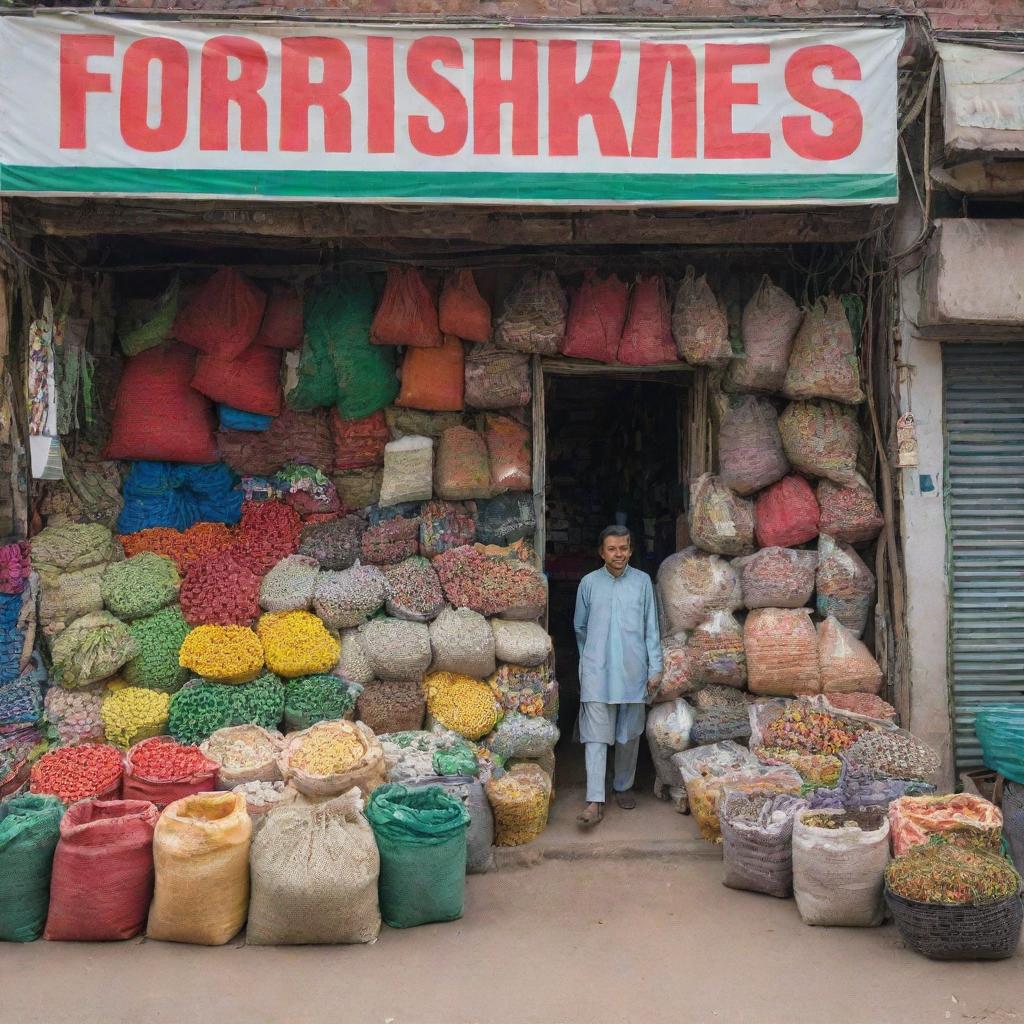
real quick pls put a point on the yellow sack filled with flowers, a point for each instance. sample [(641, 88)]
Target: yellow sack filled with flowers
[(132, 713), (329, 758), (519, 800), (297, 644), (460, 703), (225, 654), (201, 862)]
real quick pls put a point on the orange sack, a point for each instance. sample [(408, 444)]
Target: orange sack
[(463, 311), (407, 314), (434, 378)]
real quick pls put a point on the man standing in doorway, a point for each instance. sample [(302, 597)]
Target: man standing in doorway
[(620, 668)]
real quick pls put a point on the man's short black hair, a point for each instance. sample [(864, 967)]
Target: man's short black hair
[(615, 531)]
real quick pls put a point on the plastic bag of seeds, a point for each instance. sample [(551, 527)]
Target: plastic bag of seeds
[(414, 591), (845, 585), (335, 544), (520, 800), (691, 585), (159, 638), (782, 652), (391, 542), (677, 676), (445, 525), (519, 735), (391, 705), (821, 439), (520, 643), (408, 471), (92, 648), (839, 862), (462, 641), (533, 316), (777, 577), (847, 665), (462, 470), (76, 714), (699, 323), (769, 325), (714, 761), (288, 587), (348, 598), (532, 691), (717, 652), (849, 513), (244, 753), (750, 455), (139, 586), (720, 521), (496, 379), (668, 733), (757, 832), (396, 649), (823, 362), (319, 698)]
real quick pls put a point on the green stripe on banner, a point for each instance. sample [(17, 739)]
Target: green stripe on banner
[(452, 186)]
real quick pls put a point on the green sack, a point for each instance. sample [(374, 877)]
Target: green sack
[(315, 385), (146, 323), (29, 830), (421, 836)]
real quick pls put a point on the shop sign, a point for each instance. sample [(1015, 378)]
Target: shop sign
[(588, 116)]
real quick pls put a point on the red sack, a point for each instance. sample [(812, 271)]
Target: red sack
[(224, 315), (165, 791), (282, 322), (463, 311), (647, 336), (786, 514), (597, 314), (102, 877), (157, 413), (359, 444), (252, 382), (434, 378), (407, 314)]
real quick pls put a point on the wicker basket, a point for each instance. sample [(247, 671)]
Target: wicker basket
[(940, 932)]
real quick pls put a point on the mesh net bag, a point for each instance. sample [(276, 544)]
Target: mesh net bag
[(462, 642), (319, 698), (647, 334), (301, 438), (823, 361), (414, 591), (250, 382), (845, 585), (508, 449), (757, 833), (533, 316), (462, 469), (520, 800), (407, 314), (288, 587), (849, 513), (330, 758), (223, 316), (391, 541), (496, 379), (462, 310), (391, 705), (244, 753), (777, 577), (720, 521), (91, 649), (750, 455), (782, 652), (847, 666), (716, 651), (359, 444), (786, 514), (668, 732), (691, 585), (334, 545), (408, 471), (139, 586), (348, 598), (532, 691), (445, 525), (770, 322), (434, 378), (821, 439), (396, 649), (699, 323), (282, 321), (520, 643), (597, 313)]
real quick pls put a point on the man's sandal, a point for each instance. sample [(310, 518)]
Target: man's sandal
[(626, 800), (590, 815)]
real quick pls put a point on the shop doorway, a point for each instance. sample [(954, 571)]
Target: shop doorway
[(614, 453)]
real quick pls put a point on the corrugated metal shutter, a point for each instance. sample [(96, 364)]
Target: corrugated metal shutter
[(984, 416)]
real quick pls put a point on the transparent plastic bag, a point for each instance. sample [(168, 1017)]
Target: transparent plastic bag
[(770, 322), (750, 455), (777, 577), (668, 733), (845, 585), (691, 585), (720, 521), (821, 439), (849, 512), (699, 323), (847, 666), (677, 677), (716, 647), (823, 360), (782, 652)]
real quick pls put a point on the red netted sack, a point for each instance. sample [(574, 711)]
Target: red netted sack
[(597, 314), (647, 335), (224, 315), (282, 321), (434, 378), (849, 513), (359, 444), (407, 314), (786, 514), (158, 415), (102, 877), (252, 382), (462, 310)]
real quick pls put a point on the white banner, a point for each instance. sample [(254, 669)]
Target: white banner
[(580, 115)]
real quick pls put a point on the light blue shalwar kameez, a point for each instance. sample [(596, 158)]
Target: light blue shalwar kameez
[(617, 633)]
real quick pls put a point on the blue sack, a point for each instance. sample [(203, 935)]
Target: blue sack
[(12, 639), (238, 419), (178, 495)]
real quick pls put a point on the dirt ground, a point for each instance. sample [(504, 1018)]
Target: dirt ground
[(600, 941)]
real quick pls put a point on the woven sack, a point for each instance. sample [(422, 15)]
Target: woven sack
[(366, 772), (391, 705), (164, 791), (29, 831), (407, 314), (757, 854), (597, 314), (533, 316), (223, 317), (315, 869), (260, 764), (359, 488), (282, 321), (348, 598), (647, 334), (434, 378), (462, 310), (288, 587), (700, 325), (396, 649), (518, 643), (769, 324), (250, 382)]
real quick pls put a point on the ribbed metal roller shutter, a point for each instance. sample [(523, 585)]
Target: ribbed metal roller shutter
[(984, 417)]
